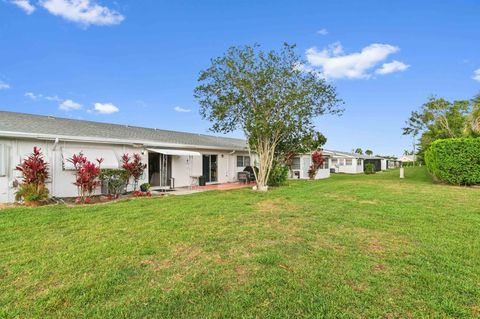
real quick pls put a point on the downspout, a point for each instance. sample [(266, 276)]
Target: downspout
[(228, 165), (54, 162)]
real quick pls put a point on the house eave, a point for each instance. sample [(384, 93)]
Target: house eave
[(90, 139)]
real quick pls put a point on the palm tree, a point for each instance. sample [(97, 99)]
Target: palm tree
[(369, 152)]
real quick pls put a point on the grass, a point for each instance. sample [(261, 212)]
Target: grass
[(349, 247)]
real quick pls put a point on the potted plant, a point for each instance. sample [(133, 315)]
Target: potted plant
[(145, 187)]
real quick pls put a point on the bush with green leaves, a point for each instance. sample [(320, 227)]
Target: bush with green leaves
[(455, 160), (31, 192), (407, 164), (278, 175), (145, 187), (115, 180), (369, 168)]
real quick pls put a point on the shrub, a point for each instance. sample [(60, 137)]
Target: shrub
[(317, 161), (34, 172), (31, 192), (141, 194), (369, 168), (407, 164), (455, 161), (115, 180), (86, 175), (278, 175), (145, 187), (135, 167)]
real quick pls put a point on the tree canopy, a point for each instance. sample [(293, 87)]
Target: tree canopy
[(268, 96), (440, 119)]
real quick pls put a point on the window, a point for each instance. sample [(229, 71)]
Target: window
[(359, 162), (334, 161), (243, 161), (348, 161), (325, 163), (296, 163)]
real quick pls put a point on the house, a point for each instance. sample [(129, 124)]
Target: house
[(407, 158), (345, 162), (172, 157), (302, 163)]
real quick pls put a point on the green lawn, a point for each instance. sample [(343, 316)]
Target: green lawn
[(349, 246)]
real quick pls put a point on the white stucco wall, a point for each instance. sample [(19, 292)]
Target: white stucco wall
[(384, 164), (305, 162), (60, 183), (226, 166), (354, 168)]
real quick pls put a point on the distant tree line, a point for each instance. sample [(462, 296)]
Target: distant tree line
[(439, 118)]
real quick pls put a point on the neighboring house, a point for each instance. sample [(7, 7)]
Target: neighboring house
[(302, 163), (354, 163), (183, 157), (345, 162), (407, 158)]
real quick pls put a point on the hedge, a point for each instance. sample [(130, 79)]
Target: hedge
[(455, 161), (369, 168)]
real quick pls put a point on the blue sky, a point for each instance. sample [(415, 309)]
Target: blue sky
[(137, 62)]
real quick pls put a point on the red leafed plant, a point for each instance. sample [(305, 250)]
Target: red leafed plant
[(134, 166), (35, 172), (317, 161), (86, 176)]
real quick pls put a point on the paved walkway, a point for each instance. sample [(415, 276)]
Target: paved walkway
[(199, 189), (225, 186)]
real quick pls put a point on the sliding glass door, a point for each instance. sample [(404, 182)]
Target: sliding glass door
[(210, 168)]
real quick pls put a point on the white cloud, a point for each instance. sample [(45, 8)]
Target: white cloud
[(33, 96), (322, 31), (4, 86), (85, 12), (53, 98), (25, 5), (105, 108), (395, 66), (181, 109), (69, 105), (335, 64), (476, 75)]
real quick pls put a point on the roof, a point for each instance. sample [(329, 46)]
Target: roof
[(351, 155), (407, 158), (48, 127)]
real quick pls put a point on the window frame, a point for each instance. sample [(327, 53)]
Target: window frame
[(244, 159)]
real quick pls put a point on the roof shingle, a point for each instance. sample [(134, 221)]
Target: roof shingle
[(38, 124)]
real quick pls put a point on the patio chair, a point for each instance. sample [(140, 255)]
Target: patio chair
[(243, 177)]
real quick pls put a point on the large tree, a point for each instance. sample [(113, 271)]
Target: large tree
[(437, 119), (472, 124), (267, 95)]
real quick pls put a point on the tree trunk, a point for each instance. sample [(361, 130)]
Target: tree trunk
[(265, 151)]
